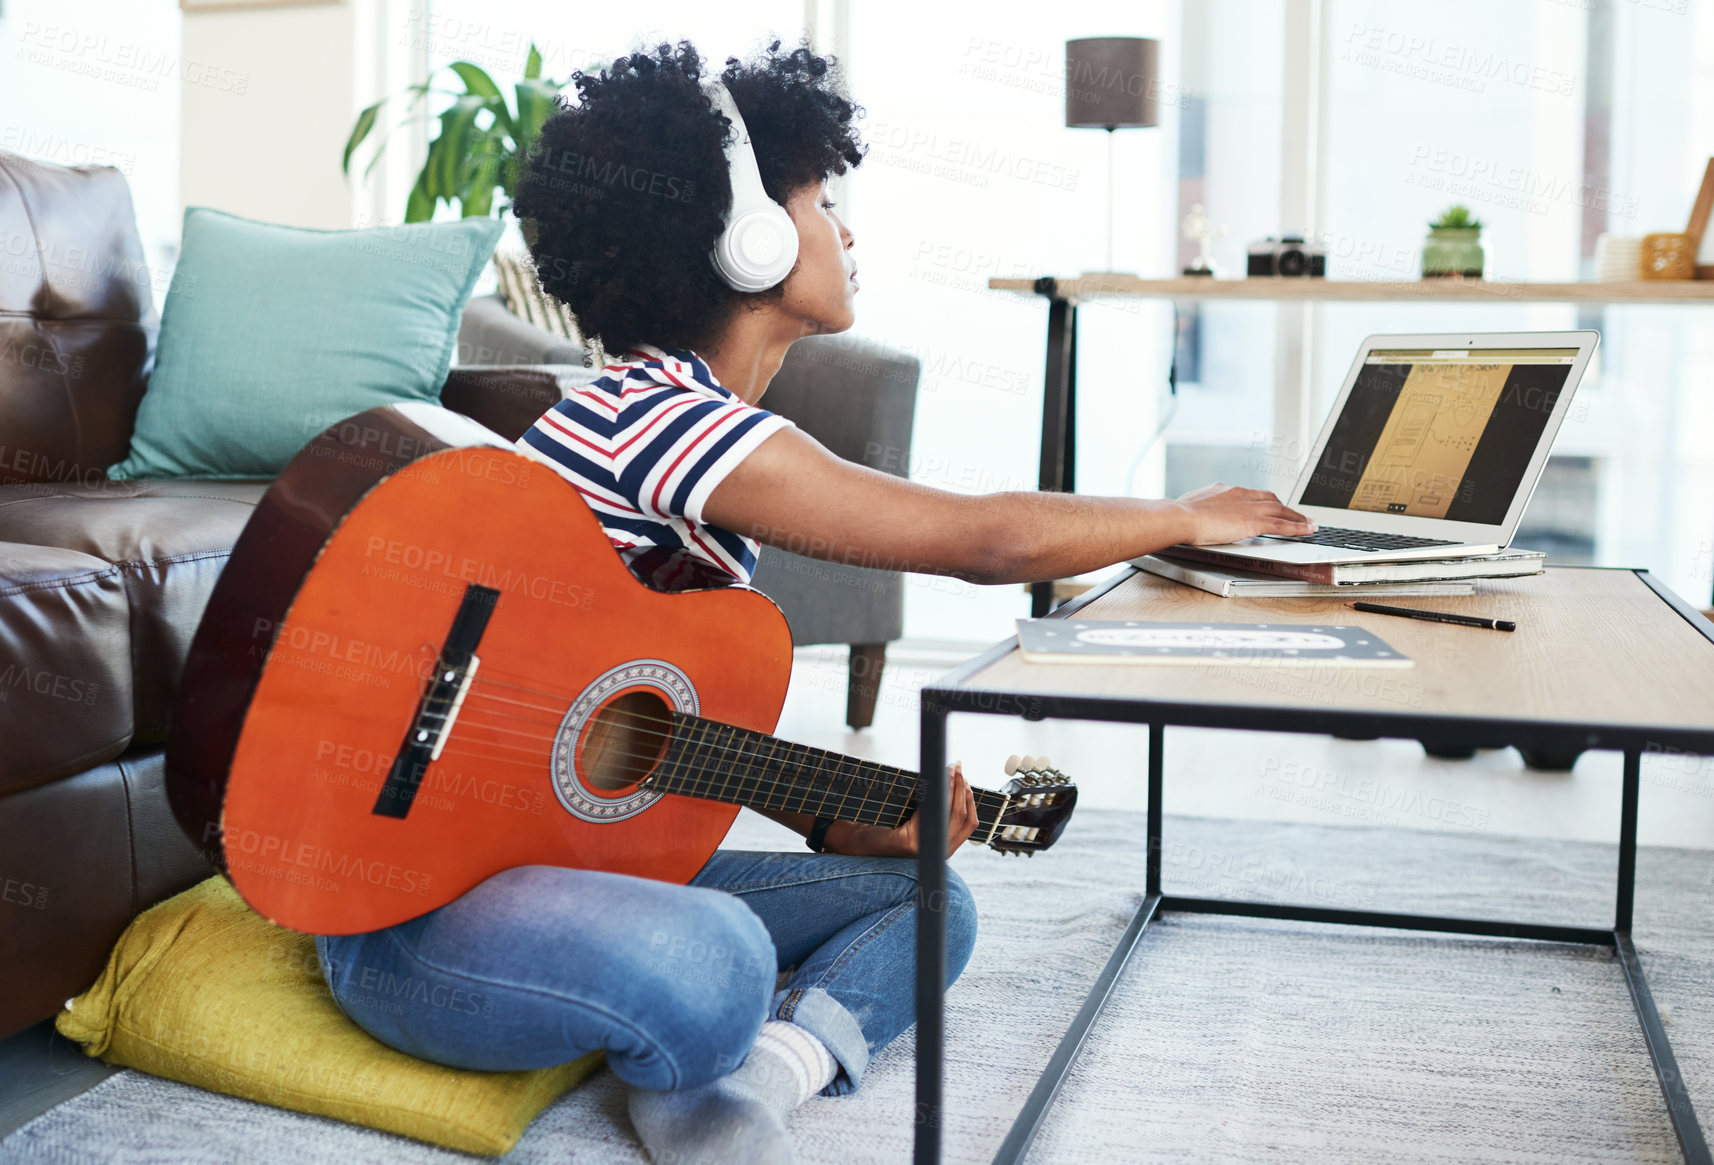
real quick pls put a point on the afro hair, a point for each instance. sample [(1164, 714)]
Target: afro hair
[(625, 192)]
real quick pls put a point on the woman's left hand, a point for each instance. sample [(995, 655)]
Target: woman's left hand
[(877, 841)]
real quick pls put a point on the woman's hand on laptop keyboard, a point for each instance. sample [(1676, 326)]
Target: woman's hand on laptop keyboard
[(1229, 513)]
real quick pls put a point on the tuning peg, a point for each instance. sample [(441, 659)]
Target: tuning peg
[(1043, 762), (1013, 764), (1030, 763)]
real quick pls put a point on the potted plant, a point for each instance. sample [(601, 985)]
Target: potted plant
[(483, 138), (1454, 246)]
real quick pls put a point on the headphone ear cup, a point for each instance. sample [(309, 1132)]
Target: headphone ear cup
[(758, 249)]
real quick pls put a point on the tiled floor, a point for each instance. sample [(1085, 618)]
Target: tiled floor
[(1272, 776)]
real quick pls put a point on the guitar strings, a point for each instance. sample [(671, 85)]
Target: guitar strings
[(888, 776), (885, 780), (885, 783), (756, 791), (889, 796), (892, 776), (880, 810)]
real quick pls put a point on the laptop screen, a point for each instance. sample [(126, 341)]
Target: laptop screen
[(1439, 433)]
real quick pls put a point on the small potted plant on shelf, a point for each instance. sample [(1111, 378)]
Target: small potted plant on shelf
[(1454, 246)]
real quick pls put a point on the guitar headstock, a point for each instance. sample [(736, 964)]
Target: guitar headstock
[(1042, 799)]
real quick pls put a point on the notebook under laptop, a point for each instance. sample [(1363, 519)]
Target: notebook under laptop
[(1432, 448)]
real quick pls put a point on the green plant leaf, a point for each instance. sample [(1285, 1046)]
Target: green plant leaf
[(447, 152), (503, 121), (420, 206), (535, 106), (1456, 218), (476, 79), (483, 177), (365, 123), (533, 62), (381, 146)]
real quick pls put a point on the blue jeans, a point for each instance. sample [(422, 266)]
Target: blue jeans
[(539, 965)]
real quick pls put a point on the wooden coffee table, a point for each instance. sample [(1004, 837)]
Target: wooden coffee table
[(1601, 659)]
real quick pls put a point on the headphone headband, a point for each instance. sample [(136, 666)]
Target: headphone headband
[(758, 247)]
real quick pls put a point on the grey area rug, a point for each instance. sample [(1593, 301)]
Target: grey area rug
[(1227, 1040)]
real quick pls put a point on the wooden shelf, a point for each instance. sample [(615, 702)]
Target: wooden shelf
[(1278, 288)]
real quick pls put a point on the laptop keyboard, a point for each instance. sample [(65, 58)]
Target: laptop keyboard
[(1345, 539)]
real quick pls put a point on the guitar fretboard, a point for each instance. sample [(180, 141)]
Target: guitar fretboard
[(720, 762)]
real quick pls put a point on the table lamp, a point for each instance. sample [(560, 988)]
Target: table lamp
[(1110, 83)]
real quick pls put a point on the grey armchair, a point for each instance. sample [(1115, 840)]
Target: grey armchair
[(855, 397)]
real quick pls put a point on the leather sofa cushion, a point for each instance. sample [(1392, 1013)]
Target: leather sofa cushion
[(65, 664), (78, 859), (77, 320), (168, 542)]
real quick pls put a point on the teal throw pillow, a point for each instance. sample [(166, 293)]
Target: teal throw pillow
[(270, 334)]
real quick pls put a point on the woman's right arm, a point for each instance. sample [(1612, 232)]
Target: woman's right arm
[(792, 493)]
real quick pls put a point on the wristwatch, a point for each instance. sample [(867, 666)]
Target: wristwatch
[(817, 839)]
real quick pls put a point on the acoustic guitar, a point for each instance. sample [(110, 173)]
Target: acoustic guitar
[(425, 663)]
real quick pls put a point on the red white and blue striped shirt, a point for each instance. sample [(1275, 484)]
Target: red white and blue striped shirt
[(645, 444)]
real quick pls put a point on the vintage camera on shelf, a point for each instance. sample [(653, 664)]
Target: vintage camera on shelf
[(1290, 256)]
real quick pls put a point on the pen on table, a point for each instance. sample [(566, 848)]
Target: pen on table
[(1436, 616)]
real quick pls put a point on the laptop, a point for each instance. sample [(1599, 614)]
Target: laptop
[(1432, 448)]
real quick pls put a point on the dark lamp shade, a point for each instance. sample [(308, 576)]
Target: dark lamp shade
[(1112, 82)]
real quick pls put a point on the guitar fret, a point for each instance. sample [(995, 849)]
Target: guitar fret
[(827, 777), (795, 798), (847, 785), (791, 789), (676, 773), (837, 788), (759, 774), (785, 781), (777, 770), (722, 762), (742, 784), (705, 753), (669, 775), (989, 809), (728, 764), (855, 805), (900, 801)]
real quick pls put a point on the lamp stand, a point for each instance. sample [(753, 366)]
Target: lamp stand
[(1112, 211)]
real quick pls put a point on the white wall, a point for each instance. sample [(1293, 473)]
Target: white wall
[(279, 91), (97, 81)]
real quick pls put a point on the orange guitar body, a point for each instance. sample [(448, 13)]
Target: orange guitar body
[(314, 653)]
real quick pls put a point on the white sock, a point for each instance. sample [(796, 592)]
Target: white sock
[(741, 1116), (812, 1065)]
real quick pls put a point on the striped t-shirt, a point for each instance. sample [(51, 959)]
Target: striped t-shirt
[(645, 444)]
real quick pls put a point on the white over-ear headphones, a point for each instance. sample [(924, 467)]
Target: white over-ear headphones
[(759, 245)]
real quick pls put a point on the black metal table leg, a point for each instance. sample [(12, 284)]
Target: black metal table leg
[(932, 809), (1678, 1107), (1152, 860), (1024, 1129), (1680, 1110), (1058, 416), (1628, 840)]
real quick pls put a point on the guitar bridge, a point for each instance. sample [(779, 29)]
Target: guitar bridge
[(431, 727)]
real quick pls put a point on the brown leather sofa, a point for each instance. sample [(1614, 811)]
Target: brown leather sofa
[(102, 583)]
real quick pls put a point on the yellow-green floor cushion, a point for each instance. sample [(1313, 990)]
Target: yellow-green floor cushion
[(201, 988)]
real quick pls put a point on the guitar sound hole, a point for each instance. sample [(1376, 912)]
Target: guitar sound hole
[(625, 739)]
